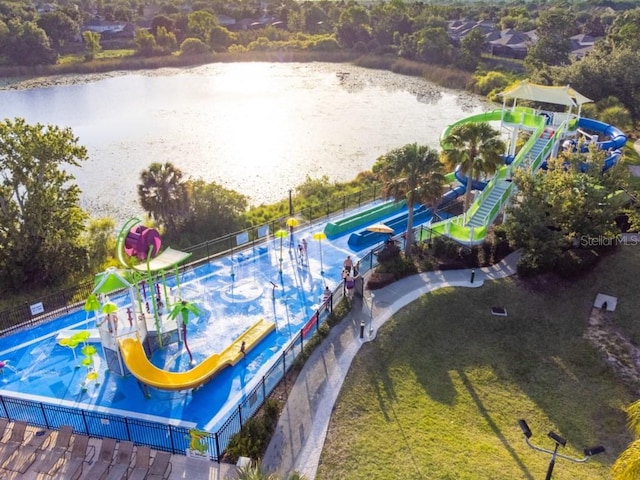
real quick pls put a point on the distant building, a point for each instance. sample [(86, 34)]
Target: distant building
[(512, 43)]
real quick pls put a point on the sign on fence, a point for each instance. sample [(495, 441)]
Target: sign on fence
[(36, 309)]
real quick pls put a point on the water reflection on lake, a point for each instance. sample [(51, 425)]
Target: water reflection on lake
[(258, 128)]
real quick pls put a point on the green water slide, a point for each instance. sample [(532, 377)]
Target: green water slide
[(360, 219), (471, 227)]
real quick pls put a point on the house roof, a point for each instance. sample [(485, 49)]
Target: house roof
[(541, 93)]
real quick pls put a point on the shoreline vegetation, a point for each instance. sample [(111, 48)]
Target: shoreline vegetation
[(40, 76)]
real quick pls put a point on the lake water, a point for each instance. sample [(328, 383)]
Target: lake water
[(257, 128)]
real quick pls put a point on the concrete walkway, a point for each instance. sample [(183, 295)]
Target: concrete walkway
[(300, 434)]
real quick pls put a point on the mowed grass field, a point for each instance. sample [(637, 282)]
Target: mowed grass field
[(439, 392)]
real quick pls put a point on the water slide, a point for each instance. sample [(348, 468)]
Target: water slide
[(140, 367), (371, 215), (472, 226)]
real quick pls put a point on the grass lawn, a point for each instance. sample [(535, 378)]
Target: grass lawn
[(104, 54), (439, 392)]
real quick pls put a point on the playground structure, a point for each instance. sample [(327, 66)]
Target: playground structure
[(156, 315), (549, 132)]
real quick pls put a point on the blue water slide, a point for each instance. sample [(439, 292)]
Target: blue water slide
[(451, 195), (421, 214), (616, 141), (475, 184), (364, 238)]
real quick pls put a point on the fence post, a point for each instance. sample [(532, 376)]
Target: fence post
[(317, 319), (240, 415), (284, 368), (44, 415), (84, 420), (126, 424), (217, 442), (173, 448)]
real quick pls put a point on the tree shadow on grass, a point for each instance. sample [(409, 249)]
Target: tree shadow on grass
[(496, 430)]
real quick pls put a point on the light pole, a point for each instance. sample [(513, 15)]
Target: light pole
[(371, 315), (559, 441), (290, 202)]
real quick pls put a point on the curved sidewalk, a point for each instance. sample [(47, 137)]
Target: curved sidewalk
[(297, 442)]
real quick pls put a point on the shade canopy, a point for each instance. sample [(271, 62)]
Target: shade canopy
[(380, 228), (293, 222), (111, 280), (167, 259), (541, 93), (319, 236)]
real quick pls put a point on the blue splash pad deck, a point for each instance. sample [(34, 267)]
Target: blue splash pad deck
[(39, 369)]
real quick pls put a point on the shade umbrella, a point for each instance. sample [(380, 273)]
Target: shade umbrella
[(320, 236), (380, 228), (280, 234), (292, 222), (92, 304), (109, 308)]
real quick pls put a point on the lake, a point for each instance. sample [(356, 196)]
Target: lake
[(257, 128)]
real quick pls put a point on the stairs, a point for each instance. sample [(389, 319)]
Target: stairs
[(538, 147), (479, 218)]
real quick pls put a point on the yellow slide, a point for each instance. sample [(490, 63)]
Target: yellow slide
[(140, 367)]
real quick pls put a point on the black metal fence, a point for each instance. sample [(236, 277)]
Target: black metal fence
[(157, 435), (164, 436), (45, 308)]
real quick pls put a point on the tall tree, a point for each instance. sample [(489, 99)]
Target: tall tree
[(163, 194), (214, 211), (92, 43), (569, 205), (477, 148), (28, 44), (41, 222), (59, 26), (200, 24), (555, 27), (414, 173)]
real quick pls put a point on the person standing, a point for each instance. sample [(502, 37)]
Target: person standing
[(350, 283), (348, 264), (304, 247)]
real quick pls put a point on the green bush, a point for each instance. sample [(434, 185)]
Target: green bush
[(445, 248), (193, 46), (532, 265), (577, 262), (252, 440), (390, 253)]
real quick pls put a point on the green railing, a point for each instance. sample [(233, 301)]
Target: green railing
[(456, 228)]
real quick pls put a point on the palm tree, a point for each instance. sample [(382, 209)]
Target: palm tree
[(412, 172), (163, 193), (183, 308), (627, 465), (477, 148)]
